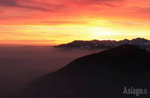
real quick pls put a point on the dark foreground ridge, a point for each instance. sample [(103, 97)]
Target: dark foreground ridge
[(100, 75)]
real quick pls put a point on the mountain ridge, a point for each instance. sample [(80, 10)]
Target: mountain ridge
[(104, 44)]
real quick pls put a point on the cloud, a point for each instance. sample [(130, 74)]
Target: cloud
[(62, 11), (14, 17), (46, 6), (51, 11), (130, 23), (144, 9), (30, 40), (8, 2), (33, 5), (64, 22), (98, 2)]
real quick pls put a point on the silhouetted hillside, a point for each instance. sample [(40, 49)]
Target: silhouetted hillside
[(100, 75), (105, 44)]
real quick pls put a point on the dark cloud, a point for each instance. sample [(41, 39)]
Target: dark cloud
[(34, 7), (30, 5), (8, 2), (107, 2)]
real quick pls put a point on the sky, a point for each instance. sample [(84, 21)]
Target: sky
[(52, 22)]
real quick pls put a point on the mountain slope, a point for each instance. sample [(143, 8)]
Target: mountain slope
[(100, 75)]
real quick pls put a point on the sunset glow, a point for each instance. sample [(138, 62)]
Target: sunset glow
[(51, 22)]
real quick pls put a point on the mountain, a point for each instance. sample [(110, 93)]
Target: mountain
[(94, 44), (104, 44), (101, 75)]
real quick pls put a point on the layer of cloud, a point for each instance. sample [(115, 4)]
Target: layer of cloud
[(50, 5), (62, 11)]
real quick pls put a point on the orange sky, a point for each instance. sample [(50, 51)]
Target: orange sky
[(50, 22)]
